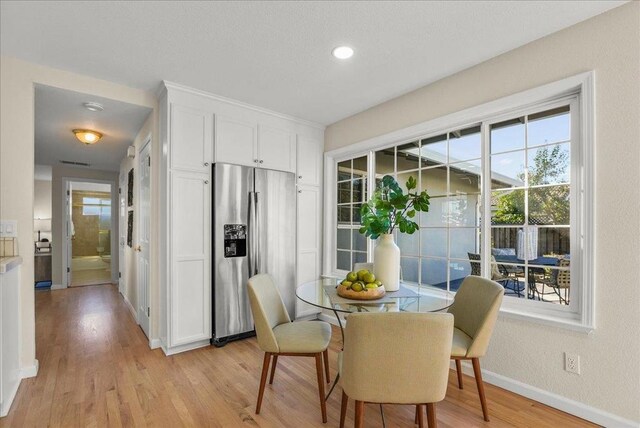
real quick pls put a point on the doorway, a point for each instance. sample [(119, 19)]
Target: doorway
[(89, 233)]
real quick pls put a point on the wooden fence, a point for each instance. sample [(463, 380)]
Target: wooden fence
[(550, 240)]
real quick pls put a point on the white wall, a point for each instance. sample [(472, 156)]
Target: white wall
[(17, 80), (58, 212), (42, 205), (525, 351)]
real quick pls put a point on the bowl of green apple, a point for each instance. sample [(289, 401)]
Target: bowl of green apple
[(361, 285)]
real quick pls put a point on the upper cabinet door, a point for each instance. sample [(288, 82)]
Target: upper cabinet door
[(191, 138), (276, 148), (309, 168), (236, 141)]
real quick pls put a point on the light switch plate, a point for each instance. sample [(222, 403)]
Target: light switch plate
[(8, 228)]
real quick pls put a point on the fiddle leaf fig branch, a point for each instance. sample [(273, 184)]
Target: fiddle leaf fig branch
[(389, 207)]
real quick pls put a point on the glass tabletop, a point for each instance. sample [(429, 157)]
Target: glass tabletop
[(410, 298)]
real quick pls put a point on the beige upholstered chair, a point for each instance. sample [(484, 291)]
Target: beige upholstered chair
[(475, 310), (399, 358), (277, 335)]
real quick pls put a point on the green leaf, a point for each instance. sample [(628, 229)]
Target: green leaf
[(411, 213), (411, 183)]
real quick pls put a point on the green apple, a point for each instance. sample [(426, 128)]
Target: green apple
[(369, 277), (346, 283), (352, 276), (362, 273), (357, 286), (372, 285)]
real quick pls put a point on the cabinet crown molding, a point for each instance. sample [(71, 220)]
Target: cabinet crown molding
[(166, 85)]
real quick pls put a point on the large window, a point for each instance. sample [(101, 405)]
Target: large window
[(351, 191), (525, 169)]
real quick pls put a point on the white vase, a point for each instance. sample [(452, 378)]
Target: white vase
[(386, 266)]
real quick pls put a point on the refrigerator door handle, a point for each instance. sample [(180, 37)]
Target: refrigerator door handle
[(258, 234), (253, 234)]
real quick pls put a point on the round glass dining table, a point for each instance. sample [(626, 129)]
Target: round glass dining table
[(409, 298)]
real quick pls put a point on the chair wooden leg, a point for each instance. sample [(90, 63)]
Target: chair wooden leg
[(263, 380), (359, 421), (459, 372), (415, 418), (274, 363), (431, 415), (420, 414), (478, 374), (343, 409), (325, 356), (323, 404)]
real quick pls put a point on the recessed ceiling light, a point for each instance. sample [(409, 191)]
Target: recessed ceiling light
[(342, 52), (93, 106)]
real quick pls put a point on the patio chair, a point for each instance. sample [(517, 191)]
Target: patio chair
[(508, 276), (497, 276), (558, 280)]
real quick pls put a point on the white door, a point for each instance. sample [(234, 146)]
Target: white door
[(144, 229), (122, 234)]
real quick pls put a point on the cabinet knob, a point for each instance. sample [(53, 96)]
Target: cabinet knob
[(206, 164), (299, 191), (261, 161), (255, 160), (300, 177), (206, 181)]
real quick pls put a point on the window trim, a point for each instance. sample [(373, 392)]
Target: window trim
[(582, 86)]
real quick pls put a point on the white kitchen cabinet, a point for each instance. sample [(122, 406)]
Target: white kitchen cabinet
[(9, 334), (309, 161), (309, 242), (191, 258), (197, 129), (191, 138), (236, 141), (276, 149), (243, 142)]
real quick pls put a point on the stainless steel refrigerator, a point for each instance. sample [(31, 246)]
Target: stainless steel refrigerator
[(254, 231)]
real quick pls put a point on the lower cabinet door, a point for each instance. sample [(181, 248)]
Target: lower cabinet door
[(190, 251), (309, 242)]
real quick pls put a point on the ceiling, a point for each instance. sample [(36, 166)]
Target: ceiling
[(58, 112), (276, 54)]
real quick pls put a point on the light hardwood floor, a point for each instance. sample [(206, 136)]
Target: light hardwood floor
[(96, 369)]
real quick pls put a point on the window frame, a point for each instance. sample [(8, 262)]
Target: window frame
[(579, 89)]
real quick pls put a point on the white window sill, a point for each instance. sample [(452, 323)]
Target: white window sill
[(553, 321)]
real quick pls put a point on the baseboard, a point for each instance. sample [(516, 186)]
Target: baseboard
[(5, 405), (556, 401), (58, 287), (155, 343), (30, 371), (186, 347), (308, 317), (130, 306)]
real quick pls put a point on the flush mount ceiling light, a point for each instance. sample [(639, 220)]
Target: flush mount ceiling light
[(87, 136), (342, 52), (93, 106)]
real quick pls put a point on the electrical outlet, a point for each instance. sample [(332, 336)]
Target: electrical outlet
[(8, 229), (572, 363)]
